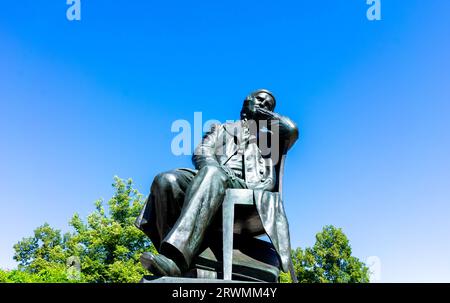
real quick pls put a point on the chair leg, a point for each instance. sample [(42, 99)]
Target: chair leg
[(228, 222)]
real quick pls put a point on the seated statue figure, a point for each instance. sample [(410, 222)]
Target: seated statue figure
[(181, 208)]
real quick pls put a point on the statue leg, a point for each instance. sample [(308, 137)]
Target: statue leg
[(164, 204), (202, 200)]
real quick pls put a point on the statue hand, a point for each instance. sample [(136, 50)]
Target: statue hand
[(228, 171), (264, 113), (267, 185)]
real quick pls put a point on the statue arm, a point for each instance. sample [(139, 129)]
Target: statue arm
[(288, 129), (204, 154)]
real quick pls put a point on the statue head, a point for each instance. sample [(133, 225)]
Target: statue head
[(261, 98)]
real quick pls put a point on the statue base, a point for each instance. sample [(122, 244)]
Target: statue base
[(154, 279), (254, 260)]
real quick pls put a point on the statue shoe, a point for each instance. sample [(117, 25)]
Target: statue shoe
[(160, 265)]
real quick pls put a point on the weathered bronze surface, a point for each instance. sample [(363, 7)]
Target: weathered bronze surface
[(181, 212)]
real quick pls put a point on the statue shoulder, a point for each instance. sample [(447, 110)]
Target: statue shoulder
[(214, 127)]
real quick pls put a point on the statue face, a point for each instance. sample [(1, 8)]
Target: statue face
[(260, 99), (263, 100)]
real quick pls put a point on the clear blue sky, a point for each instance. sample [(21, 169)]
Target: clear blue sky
[(83, 101)]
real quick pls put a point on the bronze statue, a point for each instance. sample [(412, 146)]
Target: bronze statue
[(180, 211)]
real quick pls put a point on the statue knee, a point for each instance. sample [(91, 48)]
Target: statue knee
[(214, 173), (165, 180)]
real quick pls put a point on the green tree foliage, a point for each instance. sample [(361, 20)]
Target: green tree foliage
[(107, 245), (48, 275), (328, 261)]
